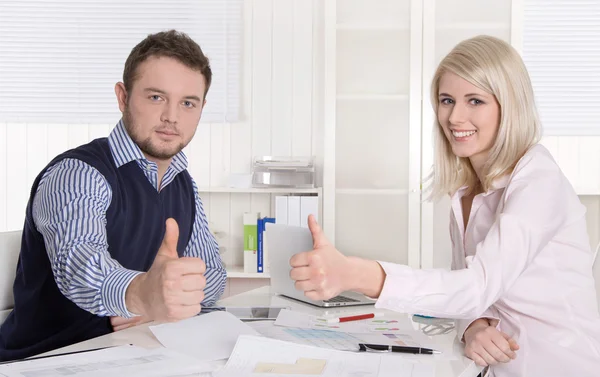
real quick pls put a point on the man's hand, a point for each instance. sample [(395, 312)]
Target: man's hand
[(173, 288), (488, 346), (120, 323)]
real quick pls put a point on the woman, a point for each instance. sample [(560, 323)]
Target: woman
[(521, 286)]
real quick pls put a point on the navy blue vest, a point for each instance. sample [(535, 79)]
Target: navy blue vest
[(43, 319)]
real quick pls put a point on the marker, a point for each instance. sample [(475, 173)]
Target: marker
[(354, 318)]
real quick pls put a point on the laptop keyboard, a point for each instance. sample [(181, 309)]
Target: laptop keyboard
[(340, 299)]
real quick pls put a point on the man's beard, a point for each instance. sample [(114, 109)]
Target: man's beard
[(146, 145)]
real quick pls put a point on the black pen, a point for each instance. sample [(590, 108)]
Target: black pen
[(402, 349)]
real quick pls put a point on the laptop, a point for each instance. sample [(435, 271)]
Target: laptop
[(282, 242)]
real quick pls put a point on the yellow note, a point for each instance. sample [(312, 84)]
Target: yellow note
[(313, 367)]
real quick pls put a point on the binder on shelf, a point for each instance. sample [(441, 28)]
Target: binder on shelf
[(260, 249), (250, 241), (293, 211), (309, 205), (281, 210)]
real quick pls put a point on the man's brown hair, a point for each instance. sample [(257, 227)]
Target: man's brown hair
[(171, 44)]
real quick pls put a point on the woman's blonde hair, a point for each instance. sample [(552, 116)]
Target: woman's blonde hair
[(495, 67)]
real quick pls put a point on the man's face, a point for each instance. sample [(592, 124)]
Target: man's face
[(162, 110)]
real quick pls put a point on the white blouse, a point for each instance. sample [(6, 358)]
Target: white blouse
[(524, 259)]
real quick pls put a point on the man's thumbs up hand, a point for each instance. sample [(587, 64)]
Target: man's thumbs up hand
[(173, 287), (168, 248)]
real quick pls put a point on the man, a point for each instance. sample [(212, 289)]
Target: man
[(115, 232)]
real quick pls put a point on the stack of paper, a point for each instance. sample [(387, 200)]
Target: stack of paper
[(253, 355), (123, 361)]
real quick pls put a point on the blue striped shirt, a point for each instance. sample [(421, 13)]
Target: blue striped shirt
[(69, 210)]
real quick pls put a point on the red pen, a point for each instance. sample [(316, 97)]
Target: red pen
[(354, 317)]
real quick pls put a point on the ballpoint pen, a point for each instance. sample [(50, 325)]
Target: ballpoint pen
[(401, 349)]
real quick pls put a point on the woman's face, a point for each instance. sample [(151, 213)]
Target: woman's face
[(469, 116)]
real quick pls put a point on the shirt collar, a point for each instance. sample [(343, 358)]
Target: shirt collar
[(498, 184), (125, 150)]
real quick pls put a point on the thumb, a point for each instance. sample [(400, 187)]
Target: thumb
[(318, 236), (169, 244), (511, 342)]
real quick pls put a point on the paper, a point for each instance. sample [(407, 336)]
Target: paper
[(206, 337), (116, 361), (349, 342), (390, 325), (254, 353), (318, 338)]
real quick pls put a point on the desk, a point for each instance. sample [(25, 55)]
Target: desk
[(142, 336)]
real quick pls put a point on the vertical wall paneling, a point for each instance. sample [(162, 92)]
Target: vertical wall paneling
[(262, 28), (415, 259), (568, 158), (219, 219), (428, 118), (3, 176), (37, 147), (198, 154), (78, 135), (260, 203), (282, 77), (240, 148), (58, 139), (589, 164), (240, 203), (329, 118), (303, 70), (219, 154), (17, 190), (241, 133), (96, 131), (551, 143)]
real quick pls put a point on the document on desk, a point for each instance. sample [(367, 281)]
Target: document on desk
[(123, 361), (340, 340), (254, 356), (206, 337), (379, 325)]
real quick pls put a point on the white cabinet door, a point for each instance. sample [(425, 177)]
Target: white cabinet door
[(375, 72)]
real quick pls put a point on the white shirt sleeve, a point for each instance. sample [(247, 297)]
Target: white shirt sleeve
[(532, 212)]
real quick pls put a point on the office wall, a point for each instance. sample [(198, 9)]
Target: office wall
[(282, 83), (278, 118)]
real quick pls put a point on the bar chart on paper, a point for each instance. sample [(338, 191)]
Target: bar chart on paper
[(319, 338)]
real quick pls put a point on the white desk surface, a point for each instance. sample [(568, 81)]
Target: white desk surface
[(142, 336)]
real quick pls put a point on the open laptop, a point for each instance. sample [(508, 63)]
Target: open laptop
[(283, 242)]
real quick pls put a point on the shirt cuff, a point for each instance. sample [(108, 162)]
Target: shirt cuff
[(398, 287), (113, 292), (463, 324)]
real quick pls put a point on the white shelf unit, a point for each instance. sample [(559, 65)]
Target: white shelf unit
[(372, 127), (371, 27), (372, 97), (259, 190), (232, 239), (234, 272), (380, 58)]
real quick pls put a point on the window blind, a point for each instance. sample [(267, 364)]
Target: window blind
[(60, 59), (561, 48)]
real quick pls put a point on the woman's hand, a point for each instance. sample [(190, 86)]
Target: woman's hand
[(324, 272), (486, 345)]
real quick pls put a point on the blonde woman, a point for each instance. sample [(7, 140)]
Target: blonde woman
[(521, 286)]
